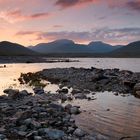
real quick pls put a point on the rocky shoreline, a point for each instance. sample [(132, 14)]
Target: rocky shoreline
[(42, 115), (92, 80)]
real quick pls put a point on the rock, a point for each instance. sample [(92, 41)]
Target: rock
[(63, 90), (23, 128), (21, 133), (2, 137), (74, 110), (38, 90), (35, 125), (75, 91), (68, 106), (27, 121), (80, 96), (101, 137), (12, 93), (70, 130), (80, 133), (89, 138), (53, 134), (37, 138), (56, 106), (137, 89), (64, 97), (23, 93)]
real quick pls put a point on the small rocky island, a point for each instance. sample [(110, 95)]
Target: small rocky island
[(42, 115)]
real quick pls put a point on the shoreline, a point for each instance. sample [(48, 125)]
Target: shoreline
[(42, 115), (32, 59)]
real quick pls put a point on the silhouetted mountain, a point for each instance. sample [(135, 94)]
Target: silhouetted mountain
[(68, 46), (61, 46), (101, 47), (130, 50), (8, 48)]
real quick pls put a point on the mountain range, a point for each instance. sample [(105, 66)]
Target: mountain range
[(68, 48)]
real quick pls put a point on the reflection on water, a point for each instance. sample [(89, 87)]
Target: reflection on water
[(9, 75), (113, 116)]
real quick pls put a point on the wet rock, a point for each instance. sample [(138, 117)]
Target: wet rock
[(2, 137), (64, 97), (137, 89), (28, 121), (35, 125), (68, 106), (63, 90), (38, 138), (12, 93), (80, 96), (38, 90), (24, 93), (70, 130), (80, 133), (74, 110), (56, 106), (75, 91), (52, 134), (21, 133)]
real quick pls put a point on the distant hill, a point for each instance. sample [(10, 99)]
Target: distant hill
[(101, 47), (61, 46), (130, 50), (68, 46), (8, 48)]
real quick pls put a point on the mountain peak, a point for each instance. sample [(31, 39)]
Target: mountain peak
[(97, 43), (64, 41)]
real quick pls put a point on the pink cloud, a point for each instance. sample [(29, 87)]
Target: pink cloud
[(17, 15)]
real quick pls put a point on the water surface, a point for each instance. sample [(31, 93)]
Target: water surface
[(113, 116)]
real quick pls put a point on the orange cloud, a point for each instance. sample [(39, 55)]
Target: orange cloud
[(17, 15)]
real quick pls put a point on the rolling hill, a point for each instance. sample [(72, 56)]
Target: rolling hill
[(101, 47), (130, 50), (8, 48)]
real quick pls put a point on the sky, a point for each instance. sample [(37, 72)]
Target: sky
[(29, 22)]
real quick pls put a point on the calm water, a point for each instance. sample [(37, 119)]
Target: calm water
[(123, 119)]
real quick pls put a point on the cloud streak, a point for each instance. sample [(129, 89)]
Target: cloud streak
[(69, 3), (17, 16)]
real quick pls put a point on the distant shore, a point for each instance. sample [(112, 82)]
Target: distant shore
[(32, 59)]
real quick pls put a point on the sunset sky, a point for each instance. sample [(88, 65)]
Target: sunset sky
[(30, 22)]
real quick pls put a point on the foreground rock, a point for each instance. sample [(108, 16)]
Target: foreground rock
[(39, 117), (92, 79)]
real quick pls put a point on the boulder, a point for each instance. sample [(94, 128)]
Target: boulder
[(79, 133)]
